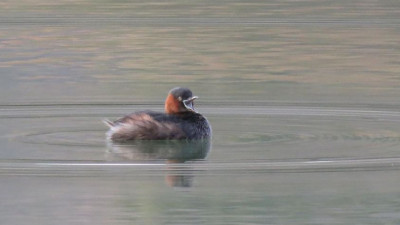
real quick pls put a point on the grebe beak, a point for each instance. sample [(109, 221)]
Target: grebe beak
[(188, 103)]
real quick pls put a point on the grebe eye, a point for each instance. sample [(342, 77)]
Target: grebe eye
[(180, 98)]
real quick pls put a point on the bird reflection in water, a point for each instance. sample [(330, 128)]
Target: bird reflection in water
[(173, 152)]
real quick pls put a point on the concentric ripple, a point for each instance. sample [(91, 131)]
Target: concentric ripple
[(257, 114), (246, 137)]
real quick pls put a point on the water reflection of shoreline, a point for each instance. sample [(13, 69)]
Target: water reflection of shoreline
[(175, 153)]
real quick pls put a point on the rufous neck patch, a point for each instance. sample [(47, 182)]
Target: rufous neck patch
[(172, 105)]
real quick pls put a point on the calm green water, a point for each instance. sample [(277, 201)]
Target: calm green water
[(302, 96)]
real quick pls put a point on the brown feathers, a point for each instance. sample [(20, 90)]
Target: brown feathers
[(180, 121), (141, 126)]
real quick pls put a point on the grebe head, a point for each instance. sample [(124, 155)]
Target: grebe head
[(179, 100)]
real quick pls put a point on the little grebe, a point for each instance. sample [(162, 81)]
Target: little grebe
[(180, 121)]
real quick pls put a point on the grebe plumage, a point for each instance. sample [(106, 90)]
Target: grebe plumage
[(180, 121)]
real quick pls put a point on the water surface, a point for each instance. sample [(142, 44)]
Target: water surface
[(302, 98)]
